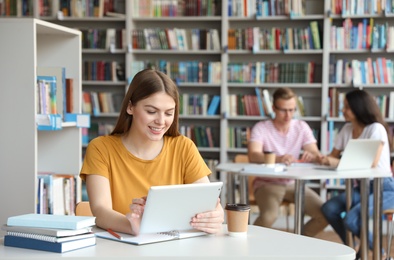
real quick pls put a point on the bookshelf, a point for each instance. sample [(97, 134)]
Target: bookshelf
[(300, 19), (24, 150)]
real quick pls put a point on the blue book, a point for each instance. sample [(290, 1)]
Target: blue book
[(214, 105), (36, 244), (260, 101), (51, 221)]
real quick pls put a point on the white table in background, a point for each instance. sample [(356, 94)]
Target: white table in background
[(301, 174), (260, 243)]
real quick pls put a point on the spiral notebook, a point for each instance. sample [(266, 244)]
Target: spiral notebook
[(143, 239), (168, 212)]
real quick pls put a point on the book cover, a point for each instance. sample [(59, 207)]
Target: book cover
[(150, 238), (51, 221), (31, 243), (48, 231), (214, 105), (260, 100)]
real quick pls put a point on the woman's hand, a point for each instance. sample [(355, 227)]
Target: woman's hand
[(323, 160), (137, 210), (211, 221)]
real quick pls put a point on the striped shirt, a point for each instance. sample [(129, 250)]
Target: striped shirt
[(292, 142)]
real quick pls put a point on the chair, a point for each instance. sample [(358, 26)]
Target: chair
[(83, 209), (243, 158), (389, 213)]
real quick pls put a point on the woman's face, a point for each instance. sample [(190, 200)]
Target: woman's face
[(153, 116), (347, 112)]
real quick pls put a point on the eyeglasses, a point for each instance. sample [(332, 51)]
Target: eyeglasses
[(284, 111)]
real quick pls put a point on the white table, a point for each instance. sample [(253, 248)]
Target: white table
[(300, 174), (261, 243)]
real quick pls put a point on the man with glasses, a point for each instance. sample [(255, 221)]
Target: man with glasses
[(292, 141)]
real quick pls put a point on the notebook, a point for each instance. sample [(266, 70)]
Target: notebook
[(359, 154), (51, 221), (47, 231), (57, 247), (169, 210)]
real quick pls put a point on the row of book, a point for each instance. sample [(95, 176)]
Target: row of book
[(199, 104), (360, 7), (175, 39), (258, 105), (71, 8), (271, 72), (379, 71), (56, 193), (108, 39), (54, 91), (280, 7), (238, 136), (364, 35), (48, 232), (183, 71), (275, 38), (90, 8), (103, 71), (202, 136), (96, 103), (336, 102), (169, 8)]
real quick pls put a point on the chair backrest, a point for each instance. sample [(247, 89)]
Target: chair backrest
[(243, 158), (83, 209)]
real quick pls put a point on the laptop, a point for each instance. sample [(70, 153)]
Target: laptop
[(171, 207), (359, 154)]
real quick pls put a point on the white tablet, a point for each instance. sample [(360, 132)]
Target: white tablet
[(171, 207)]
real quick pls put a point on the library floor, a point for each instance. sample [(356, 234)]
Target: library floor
[(328, 234)]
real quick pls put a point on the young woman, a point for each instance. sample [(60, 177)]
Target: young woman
[(144, 149), (364, 121)]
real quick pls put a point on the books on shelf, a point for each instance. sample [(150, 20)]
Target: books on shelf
[(58, 247), (60, 88), (61, 202), (51, 221)]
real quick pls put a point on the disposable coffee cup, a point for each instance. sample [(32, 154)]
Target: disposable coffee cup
[(237, 219), (269, 159)]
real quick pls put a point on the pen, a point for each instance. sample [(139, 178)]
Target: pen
[(114, 234)]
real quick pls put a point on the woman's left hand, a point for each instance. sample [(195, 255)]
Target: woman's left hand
[(211, 221)]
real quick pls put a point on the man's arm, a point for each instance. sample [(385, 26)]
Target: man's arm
[(255, 153)]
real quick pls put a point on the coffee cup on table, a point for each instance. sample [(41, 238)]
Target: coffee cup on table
[(269, 158), (237, 219)]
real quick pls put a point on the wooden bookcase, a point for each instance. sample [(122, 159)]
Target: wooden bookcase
[(315, 94), (24, 150)]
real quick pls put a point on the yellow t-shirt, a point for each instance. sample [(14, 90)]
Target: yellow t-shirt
[(130, 177)]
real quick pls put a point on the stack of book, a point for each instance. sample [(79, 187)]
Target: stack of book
[(54, 233)]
